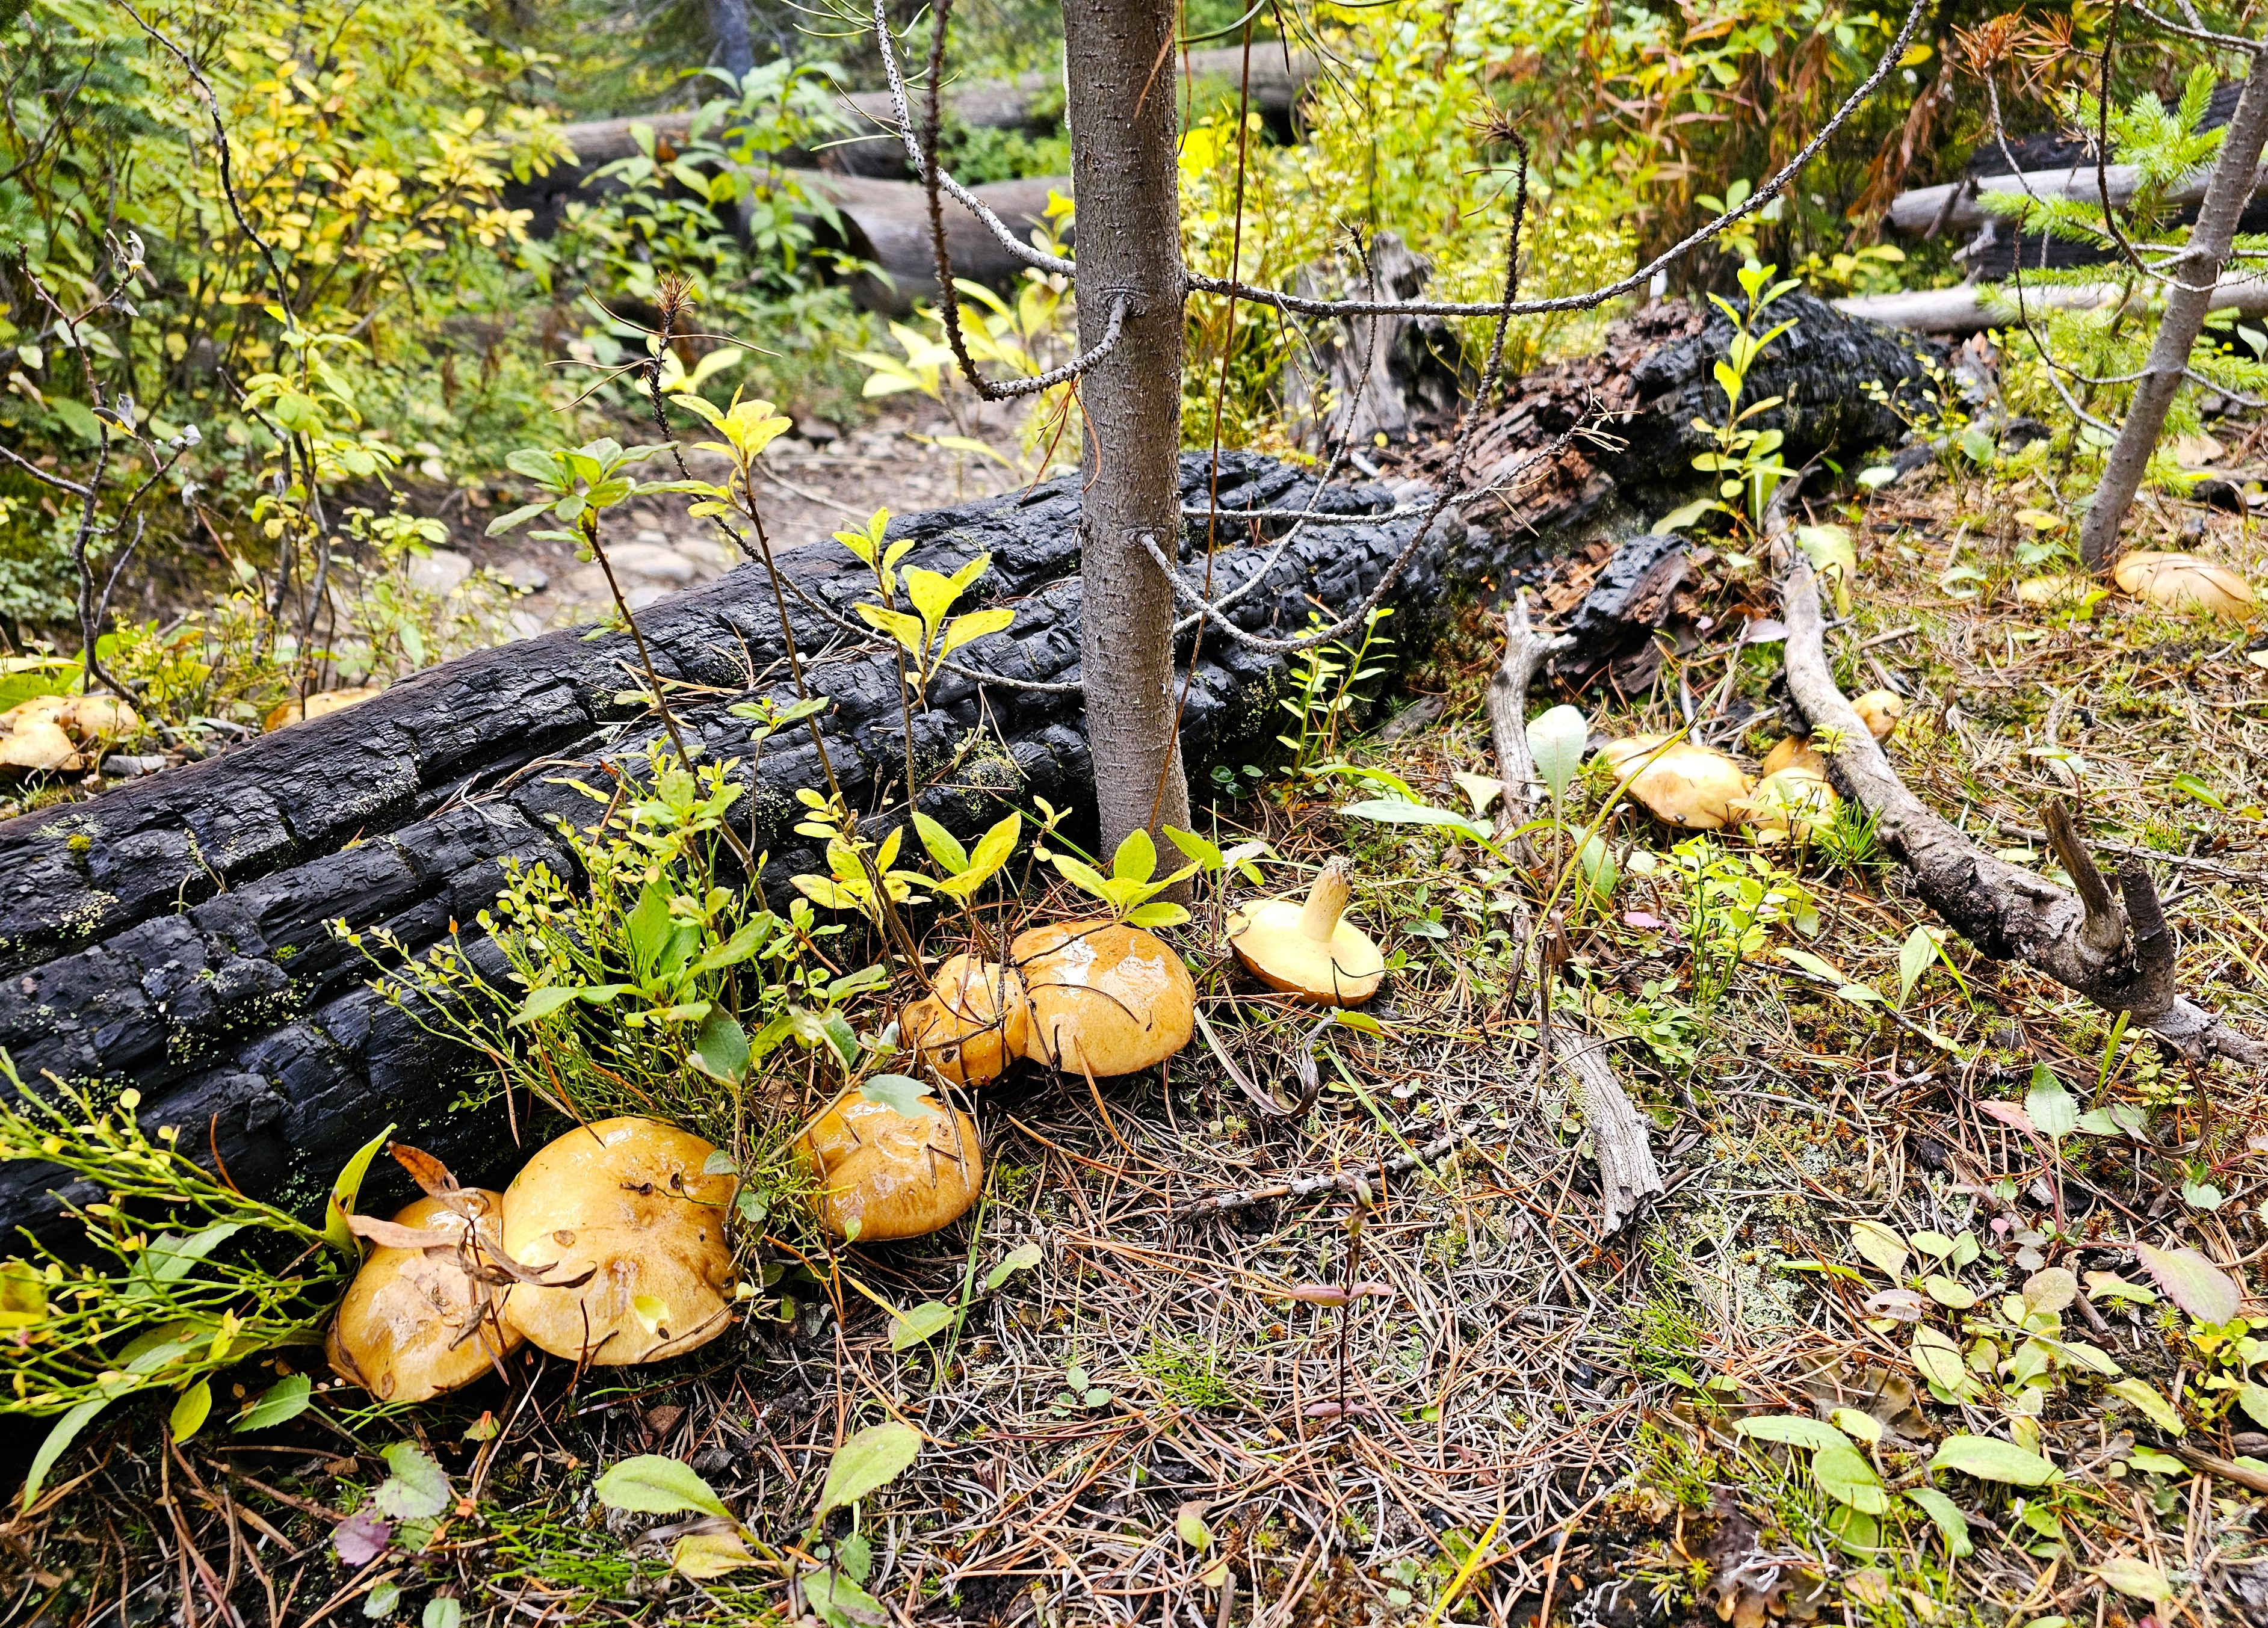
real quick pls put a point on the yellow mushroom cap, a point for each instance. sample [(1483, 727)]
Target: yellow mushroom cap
[(893, 1175), (39, 744), (627, 1201), (91, 719), (1788, 803), (2184, 582), (1791, 750), (2061, 588), (410, 1325), (1879, 710), (1679, 784), (974, 1022), (1308, 949), (1112, 997), (321, 703)]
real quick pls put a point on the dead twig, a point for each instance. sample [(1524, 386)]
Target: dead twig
[(2117, 952)]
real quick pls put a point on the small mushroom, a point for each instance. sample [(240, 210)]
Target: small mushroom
[(319, 704), (38, 745), (1679, 784), (1788, 803), (1107, 998), (94, 720), (2184, 582), (884, 1175), (629, 1202), (975, 1020), (1308, 949), (1879, 710), (411, 1325)]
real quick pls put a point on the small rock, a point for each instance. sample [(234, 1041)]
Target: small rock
[(656, 561), (645, 594), (651, 537), (818, 432), (121, 766), (587, 582), (710, 557), (524, 624), (438, 570)]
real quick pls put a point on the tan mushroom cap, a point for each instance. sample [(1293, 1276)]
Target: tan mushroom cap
[(321, 704), (975, 1021), (625, 1200), (38, 745), (1308, 949), (1790, 803), (885, 1176), (1793, 751), (2185, 582), (1880, 710), (410, 1327), (1112, 997), (2058, 588), (1680, 783)]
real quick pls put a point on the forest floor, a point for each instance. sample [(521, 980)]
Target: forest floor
[(1160, 1419)]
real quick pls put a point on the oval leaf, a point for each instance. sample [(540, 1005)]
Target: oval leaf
[(1989, 1460), (2193, 1283), (868, 1462), (651, 1485)]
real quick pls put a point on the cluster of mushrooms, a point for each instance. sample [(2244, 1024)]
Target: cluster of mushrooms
[(608, 1247), (62, 734), (1700, 789), (1092, 998)]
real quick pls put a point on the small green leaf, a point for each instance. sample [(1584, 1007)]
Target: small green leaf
[(418, 1489), (191, 1410), (902, 1094), (925, 1321), (443, 1611), (1880, 1248), (1556, 740), (720, 1047), (1845, 1476), (867, 1461), (1914, 957), (344, 1191), (2152, 1406), (1948, 1515), (1191, 1528), (1990, 1460), (381, 1600), (651, 1485), (284, 1401), (1026, 1256), (1136, 858), (2054, 1113), (1793, 1430), (2136, 1578)]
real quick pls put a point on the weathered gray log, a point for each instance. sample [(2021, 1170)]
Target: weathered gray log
[(886, 224), (173, 934), (1974, 307), (1031, 101)]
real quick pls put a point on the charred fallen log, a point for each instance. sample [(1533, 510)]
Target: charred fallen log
[(175, 934)]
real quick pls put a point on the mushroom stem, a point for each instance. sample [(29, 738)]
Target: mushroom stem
[(1326, 902)]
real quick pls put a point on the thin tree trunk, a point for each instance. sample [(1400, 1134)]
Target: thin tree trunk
[(2226, 195), (1121, 117), (728, 28)]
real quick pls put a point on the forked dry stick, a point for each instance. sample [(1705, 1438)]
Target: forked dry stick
[(2114, 950), (1629, 1175)]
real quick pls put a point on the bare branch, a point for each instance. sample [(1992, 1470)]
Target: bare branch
[(960, 194), (1639, 279), (2007, 912)]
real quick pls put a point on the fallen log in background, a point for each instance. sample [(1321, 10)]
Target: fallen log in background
[(173, 932), (1973, 308)]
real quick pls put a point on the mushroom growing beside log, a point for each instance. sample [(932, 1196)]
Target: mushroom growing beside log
[(173, 932), (1107, 998), (2183, 582), (415, 1322), (975, 1020), (1307, 948), (629, 1202), (884, 1175)]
